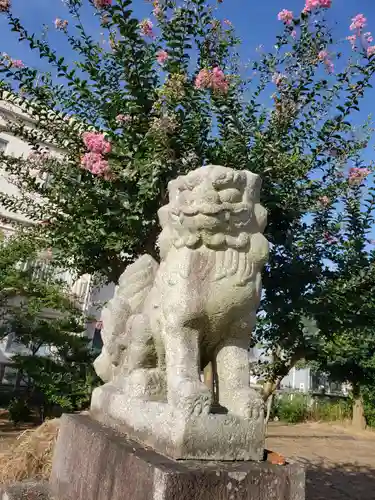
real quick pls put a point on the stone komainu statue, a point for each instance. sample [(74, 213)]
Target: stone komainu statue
[(167, 322)]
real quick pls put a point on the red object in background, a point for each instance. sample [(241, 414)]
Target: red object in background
[(274, 458)]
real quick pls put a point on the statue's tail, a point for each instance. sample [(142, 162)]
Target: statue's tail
[(134, 286)]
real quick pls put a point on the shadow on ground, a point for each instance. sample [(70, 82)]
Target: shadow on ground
[(7, 428), (339, 482)]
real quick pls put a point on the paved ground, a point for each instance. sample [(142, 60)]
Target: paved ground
[(340, 464)]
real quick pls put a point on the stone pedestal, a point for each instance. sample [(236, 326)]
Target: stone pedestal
[(27, 490), (171, 432), (93, 462)]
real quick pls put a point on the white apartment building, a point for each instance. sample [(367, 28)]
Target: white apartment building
[(90, 298)]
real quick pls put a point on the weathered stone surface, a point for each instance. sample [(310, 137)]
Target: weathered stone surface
[(92, 462), (169, 431), (167, 322), (27, 490)]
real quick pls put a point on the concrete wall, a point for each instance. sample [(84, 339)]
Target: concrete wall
[(299, 380), (98, 298), (81, 287)]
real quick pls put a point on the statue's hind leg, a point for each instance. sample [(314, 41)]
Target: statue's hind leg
[(143, 377)]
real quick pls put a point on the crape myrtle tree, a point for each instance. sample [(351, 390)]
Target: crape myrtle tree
[(346, 346), (169, 93)]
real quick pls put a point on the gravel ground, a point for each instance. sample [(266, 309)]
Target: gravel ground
[(340, 463)]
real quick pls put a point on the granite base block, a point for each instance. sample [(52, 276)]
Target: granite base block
[(93, 462), (171, 432), (27, 490)]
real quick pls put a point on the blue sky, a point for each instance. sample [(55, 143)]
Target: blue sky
[(256, 23)]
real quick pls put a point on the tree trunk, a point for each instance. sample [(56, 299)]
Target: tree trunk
[(268, 389), (209, 377), (269, 408), (358, 420)]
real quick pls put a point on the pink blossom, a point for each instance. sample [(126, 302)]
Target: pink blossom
[(294, 34), (34, 172), (102, 4), (38, 156), (157, 11), (324, 201), (311, 5), (219, 81), (203, 79), (325, 4), (165, 124), (215, 80), (215, 24), (161, 56), (278, 79), (371, 50), (316, 4), (286, 16), (330, 67), (123, 118), (33, 155), (95, 163), (324, 57), (16, 63), (146, 28), (352, 39), (4, 5), (358, 22), (96, 142), (357, 175), (60, 24), (227, 22), (105, 19), (368, 37)]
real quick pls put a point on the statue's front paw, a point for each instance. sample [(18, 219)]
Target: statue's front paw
[(247, 403), (193, 398)]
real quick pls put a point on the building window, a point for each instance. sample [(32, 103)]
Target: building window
[(3, 145)]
